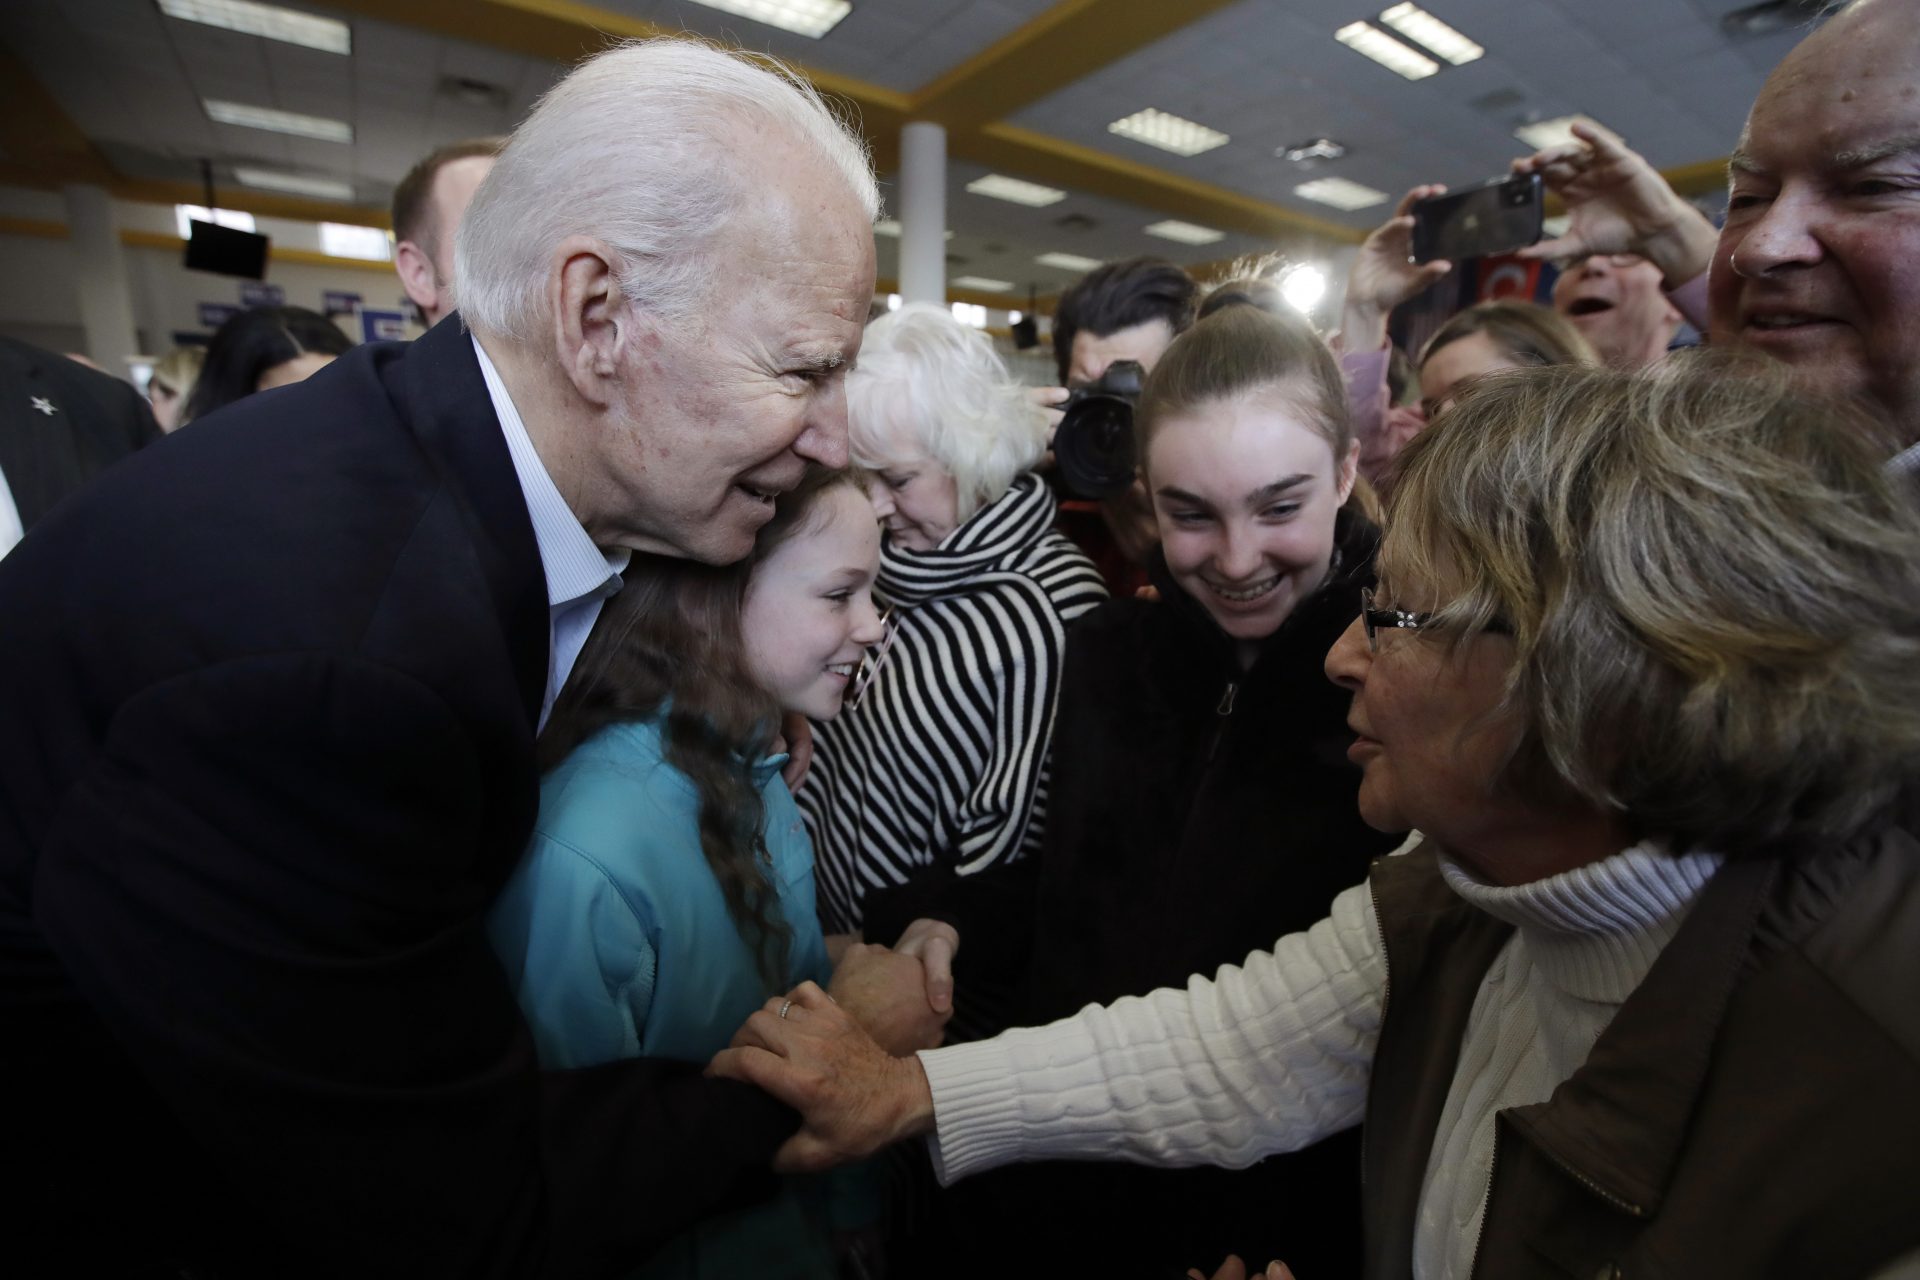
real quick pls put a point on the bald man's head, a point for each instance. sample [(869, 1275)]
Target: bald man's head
[(1819, 262)]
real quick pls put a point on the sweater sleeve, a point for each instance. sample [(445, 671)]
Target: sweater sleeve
[(1690, 300), (580, 957), (1365, 373), (1269, 1056)]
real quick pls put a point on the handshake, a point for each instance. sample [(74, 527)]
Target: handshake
[(842, 1057)]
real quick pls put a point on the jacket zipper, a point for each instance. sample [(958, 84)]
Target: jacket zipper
[(1624, 1206), (1386, 994), (1493, 1162), (1486, 1201), (1222, 714)]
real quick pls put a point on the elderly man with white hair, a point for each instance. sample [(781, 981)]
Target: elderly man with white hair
[(270, 699)]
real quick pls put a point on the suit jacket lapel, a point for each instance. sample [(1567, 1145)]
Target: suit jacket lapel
[(452, 416)]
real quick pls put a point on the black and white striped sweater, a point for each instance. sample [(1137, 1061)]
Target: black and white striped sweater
[(943, 766)]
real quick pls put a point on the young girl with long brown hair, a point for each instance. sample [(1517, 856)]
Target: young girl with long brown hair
[(668, 890)]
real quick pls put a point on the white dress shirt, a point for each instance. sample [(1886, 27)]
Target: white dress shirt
[(580, 576), (10, 530)]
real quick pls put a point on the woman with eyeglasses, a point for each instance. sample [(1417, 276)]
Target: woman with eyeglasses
[(940, 771), (1643, 666)]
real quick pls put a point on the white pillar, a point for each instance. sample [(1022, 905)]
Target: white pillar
[(106, 300), (923, 213)]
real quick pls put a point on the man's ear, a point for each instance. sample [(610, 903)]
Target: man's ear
[(415, 266), (594, 331)]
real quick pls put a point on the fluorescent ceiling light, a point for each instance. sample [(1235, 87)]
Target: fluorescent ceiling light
[(1340, 193), (982, 283), (329, 35), (272, 121), (1385, 50), (1303, 287), (891, 227), (1068, 261), (1168, 132), (970, 313), (294, 184), (1031, 194), (1557, 132), (343, 240), (1185, 232), (1416, 24), (802, 17)]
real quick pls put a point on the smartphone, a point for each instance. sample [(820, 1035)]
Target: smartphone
[(1494, 217)]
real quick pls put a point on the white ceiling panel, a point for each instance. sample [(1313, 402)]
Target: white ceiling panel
[(1267, 72)]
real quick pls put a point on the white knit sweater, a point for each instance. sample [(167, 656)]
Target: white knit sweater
[(1274, 1054)]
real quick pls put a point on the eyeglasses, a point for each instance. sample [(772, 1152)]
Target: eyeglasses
[(875, 659), (1378, 620), (1374, 621), (1619, 261)]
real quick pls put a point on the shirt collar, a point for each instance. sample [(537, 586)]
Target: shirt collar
[(576, 569)]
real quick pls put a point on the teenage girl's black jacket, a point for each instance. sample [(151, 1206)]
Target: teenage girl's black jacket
[(1198, 812)]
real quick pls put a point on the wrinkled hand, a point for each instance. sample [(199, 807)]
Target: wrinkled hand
[(1618, 203), (886, 992), (796, 739), (1234, 1269), (854, 1098), (934, 943)]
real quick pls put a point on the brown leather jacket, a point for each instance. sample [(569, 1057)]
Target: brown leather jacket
[(1753, 1109)]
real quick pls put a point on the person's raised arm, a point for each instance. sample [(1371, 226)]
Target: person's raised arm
[(1618, 203), (1384, 275)]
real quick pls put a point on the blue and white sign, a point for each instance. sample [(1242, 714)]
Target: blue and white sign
[(258, 293), (215, 314), (383, 326), (339, 302)]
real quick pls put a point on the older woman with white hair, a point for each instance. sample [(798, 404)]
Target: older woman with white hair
[(939, 770)]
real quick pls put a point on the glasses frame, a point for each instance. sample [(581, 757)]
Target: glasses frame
[(1374, 621)]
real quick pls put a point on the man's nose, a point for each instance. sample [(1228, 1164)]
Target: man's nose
[(1784, 235), (825, 438)]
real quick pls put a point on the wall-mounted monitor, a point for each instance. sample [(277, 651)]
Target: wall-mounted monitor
[(226, 251)]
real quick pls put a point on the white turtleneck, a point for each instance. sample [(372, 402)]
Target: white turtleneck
[(1583, 941), (1275, 1054)]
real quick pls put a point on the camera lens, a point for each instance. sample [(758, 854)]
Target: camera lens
[(1094, 446)]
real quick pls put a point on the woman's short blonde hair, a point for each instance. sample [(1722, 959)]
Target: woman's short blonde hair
[(929, 384), (1529, 334), (1713, 586)]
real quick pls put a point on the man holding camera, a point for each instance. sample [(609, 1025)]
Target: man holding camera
[(1124, 311)]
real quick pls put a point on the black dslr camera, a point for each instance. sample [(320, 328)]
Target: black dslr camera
[(1093, 448)]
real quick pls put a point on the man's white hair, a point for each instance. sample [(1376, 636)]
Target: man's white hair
[(937, 386), (641, 147)]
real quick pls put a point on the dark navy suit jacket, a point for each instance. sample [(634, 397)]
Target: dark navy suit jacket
[(268, 694)]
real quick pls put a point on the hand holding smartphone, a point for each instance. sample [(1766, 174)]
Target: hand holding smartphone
[(1494, 217)]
